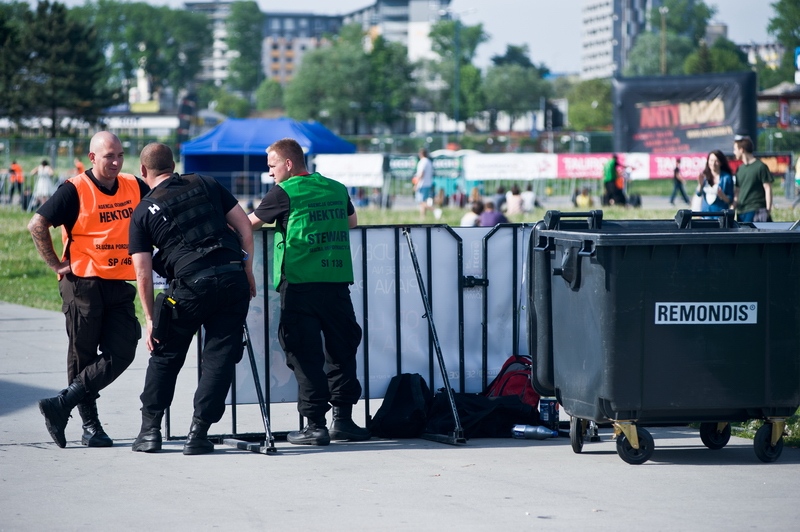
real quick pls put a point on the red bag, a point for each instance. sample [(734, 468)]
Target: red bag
[(514, 378)]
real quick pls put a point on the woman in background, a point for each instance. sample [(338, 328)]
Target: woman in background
[(43, 188), (715, 184)]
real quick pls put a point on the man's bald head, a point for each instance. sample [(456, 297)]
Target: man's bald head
[(157, 159), (103, 139), (107, 155)]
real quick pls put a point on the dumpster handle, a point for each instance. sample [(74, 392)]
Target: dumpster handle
[(594, 218), (570, 269), (684, 218), (795, 226)]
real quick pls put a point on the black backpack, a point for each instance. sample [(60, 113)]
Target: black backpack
[(404, 411), (480, 416)]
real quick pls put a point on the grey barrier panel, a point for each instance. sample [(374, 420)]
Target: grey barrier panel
[(474, 276)]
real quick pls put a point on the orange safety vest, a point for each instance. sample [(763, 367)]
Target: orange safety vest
[(16, 174), (97, 246)]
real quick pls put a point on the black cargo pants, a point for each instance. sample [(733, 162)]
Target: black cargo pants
[(102, 329), (219, 304), (309, 313)]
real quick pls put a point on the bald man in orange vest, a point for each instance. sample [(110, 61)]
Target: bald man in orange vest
[(93, 209)]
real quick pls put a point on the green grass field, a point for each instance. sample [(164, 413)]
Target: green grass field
[(25, 280)]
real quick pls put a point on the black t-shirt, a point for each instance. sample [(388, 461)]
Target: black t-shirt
[(149, 230), (64, 205)]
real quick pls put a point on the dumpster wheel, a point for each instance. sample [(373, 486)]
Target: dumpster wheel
[(715, 435), (577, 428), (636, 456), (762, 443)]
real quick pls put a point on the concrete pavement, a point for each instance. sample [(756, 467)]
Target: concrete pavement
[(488, 484)]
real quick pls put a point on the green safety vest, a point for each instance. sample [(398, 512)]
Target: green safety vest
[(316, 244)]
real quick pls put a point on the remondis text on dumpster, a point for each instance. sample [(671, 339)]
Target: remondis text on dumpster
[(687, 313)]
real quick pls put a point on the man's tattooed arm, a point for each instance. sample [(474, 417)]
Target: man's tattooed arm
[(39, 228)]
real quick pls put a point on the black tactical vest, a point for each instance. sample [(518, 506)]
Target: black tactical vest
[(197, 225)]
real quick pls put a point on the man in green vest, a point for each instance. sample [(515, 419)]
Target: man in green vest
[(313, 271)]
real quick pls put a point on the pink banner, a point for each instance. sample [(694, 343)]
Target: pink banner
[(663, 165), (582, 166), (633, 165)]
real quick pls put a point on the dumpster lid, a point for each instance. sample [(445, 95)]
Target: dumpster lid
[(687, 228)]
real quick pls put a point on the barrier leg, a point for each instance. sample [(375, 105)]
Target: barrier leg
[(457, 436), (268, 446)]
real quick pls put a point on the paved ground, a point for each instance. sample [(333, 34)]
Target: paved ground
[(497, 484)]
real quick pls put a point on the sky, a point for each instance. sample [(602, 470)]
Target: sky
[(550, 28)]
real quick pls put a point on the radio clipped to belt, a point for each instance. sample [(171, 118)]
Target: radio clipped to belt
[(166, 309)]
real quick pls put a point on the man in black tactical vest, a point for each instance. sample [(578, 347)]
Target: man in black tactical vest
[(313, 272), (187, 218)]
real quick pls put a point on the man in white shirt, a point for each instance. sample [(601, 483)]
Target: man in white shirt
[(423, 182)]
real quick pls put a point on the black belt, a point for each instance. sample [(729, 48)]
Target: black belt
[(215, 270)]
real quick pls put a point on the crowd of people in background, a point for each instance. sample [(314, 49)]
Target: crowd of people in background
[(714, 190), (16, 188)]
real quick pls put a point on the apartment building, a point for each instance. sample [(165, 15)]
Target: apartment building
[(609, 32), (289, 35), (215, 66)]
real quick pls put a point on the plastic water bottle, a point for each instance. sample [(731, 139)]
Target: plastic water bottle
[(533, 432)]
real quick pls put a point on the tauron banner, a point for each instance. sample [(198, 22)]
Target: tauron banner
[(683, 114)]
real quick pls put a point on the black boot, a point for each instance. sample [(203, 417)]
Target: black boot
[(56, 411), (315, 433), (93, 433), (343, 427), (149, 438), (197, 441)]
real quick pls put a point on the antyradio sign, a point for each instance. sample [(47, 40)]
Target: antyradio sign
[(683, 114)]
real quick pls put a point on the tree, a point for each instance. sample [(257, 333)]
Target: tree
[(519, 55), (723, 56), (685, 22), (269, 95), (390, 83), (590, 105), (685, 17), (303, 97), (206, 93), (699, 61), (471, 92), (65, 67), (188, 40), (785, 26), (514, 89), (244, 27), (431, 92), (645, 56), (768, 77), (12, 61), (168, 44), (459, 51), (515, 55), (443, 41), (332, 84), (230, 104)]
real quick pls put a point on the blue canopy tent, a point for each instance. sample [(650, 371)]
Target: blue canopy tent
[(234, 152)]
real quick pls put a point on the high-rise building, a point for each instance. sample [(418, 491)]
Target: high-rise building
[(215, 66), (771, 54), (288, 36), (609, 32), (715, 31), (405, 21)]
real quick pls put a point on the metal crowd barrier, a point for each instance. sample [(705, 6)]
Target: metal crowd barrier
[(475, 281)]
